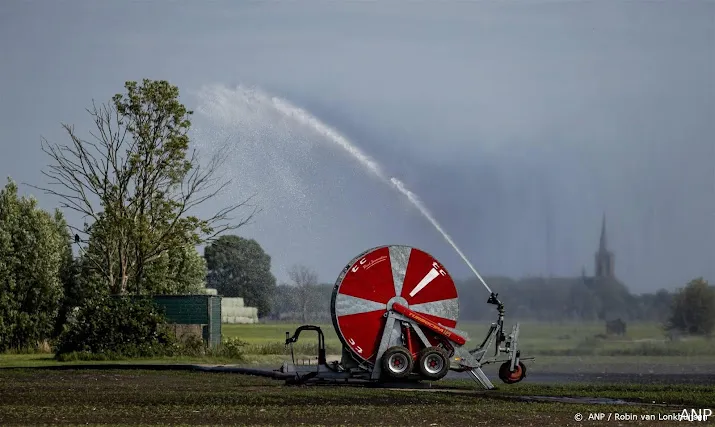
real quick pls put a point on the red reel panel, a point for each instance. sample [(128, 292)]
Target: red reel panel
[(379, 276)]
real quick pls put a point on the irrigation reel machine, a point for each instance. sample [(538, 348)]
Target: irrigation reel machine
[(395, 310)]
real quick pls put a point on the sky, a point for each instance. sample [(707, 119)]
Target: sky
[(519, 124)]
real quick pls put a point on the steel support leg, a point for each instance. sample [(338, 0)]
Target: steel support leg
[(385, 343), (479, 376), (514, 347)]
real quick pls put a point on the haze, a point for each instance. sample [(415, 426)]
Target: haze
[(518, 124)]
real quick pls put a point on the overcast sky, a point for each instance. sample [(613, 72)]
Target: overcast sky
[(518, 123)]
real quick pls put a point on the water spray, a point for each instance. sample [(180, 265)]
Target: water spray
[(305, 118), (423, 210)]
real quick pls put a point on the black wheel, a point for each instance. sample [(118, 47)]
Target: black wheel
[(397, 362), (509, 377), (433, 363)]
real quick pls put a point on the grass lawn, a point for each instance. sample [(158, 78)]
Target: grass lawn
[(559, 347), (182, 398), (542, 339)]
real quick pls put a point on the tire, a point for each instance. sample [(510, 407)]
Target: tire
[(397, 362), (509, 377), (433, 363)]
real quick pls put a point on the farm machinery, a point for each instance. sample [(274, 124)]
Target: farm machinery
[(395, 311)]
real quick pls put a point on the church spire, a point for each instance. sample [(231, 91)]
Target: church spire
[(603, 246), (604, 258)]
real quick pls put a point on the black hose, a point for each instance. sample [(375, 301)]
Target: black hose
[(266, 373)]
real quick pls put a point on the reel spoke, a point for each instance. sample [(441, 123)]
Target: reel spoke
[(444, 312)]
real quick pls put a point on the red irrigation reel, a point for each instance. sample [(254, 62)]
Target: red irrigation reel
[(395, 310)]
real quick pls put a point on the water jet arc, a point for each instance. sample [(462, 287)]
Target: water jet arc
[(305, 118)]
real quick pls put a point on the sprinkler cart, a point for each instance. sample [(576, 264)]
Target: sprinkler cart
[(395, 311)]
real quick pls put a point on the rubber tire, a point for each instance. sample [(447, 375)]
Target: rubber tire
[(423, 354), (505, 374), (386, 359)]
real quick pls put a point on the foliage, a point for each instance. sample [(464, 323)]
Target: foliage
[(541, 299), (615, 300), (239, 267), (179, 270), (117, 327), (69, 277), (32, 252), (303, 304), (655, 306), (230, 348), (137, 183), (288, 303), (305, 281), (693, 309)]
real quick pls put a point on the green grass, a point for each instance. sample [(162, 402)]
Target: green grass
[(558, 346), (182, 398), (269, 338), (538, 339)]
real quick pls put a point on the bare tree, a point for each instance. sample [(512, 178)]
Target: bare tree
[(306, 281), (135, 183)]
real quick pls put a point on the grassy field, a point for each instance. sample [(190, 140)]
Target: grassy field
[(542, 339), (181, 398), (559, 347)]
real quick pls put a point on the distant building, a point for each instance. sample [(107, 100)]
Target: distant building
[(604, 258), (604, 282)]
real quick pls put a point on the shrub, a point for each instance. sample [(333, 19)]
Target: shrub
[(111, 327), (693, 309), (231, 348), (192, 346)]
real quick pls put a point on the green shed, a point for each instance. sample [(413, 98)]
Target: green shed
[(204, 310)]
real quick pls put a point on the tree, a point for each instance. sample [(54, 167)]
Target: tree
[(180, 270), (305, 282), (582, 304), (654, 306), (284, 303), (693, 309), (239, 267), (136, 184), (72, 292), (31, 248)]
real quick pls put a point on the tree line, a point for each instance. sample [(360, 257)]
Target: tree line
[(135, 184), (689, 310)]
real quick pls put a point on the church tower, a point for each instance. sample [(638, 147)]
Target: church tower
[(604, 258)]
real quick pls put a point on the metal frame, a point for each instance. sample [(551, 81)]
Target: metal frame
[(461, 359)]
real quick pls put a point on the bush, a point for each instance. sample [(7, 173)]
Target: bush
[(192, 346), (111, 328), (693, 309), (230, 348)]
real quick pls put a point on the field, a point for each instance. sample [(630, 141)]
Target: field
[(178, 398), (559, 347), (544, 339), (146, 397)]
